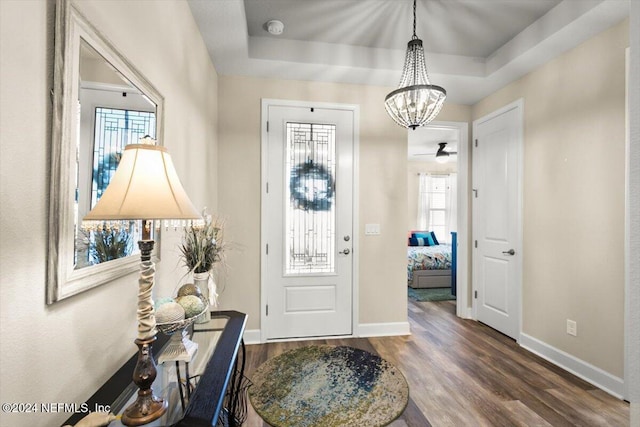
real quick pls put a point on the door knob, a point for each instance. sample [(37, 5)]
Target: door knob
[(509, 252), (346, 251)]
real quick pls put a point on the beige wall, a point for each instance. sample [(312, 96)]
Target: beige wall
[(61, 353), (382, 198), (414, 168), (574, 157)]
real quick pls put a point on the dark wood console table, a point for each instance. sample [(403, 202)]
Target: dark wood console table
[(218, 384)]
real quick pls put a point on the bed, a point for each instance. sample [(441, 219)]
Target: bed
[(429, 266)]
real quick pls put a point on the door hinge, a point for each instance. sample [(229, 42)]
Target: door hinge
[(476, 140), (267, 125), (475, 192), (475, 243), (475, 294), (267, 188), (267, 249), (267, 309)]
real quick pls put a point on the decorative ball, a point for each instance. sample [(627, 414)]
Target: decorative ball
[(192, 305), (189, 289), (162, 301), (170, 312)]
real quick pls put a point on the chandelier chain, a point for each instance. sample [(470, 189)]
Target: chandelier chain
[(414, 21)]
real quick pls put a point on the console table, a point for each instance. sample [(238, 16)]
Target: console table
[(218, 382)]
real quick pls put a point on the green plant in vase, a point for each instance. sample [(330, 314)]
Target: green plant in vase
[(110, 243), (202, 247)]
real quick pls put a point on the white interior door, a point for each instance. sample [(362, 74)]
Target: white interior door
[(307, 222), (497, 224)]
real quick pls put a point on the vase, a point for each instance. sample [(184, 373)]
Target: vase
[(207, 286)]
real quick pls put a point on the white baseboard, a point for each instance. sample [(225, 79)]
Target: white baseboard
[(465, 312), (383, 329), (252, 336), (592, 374)]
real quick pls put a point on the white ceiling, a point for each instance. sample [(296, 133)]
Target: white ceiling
[(473, 47)]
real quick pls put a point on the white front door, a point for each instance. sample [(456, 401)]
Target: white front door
[(497, 224), (307, 221)]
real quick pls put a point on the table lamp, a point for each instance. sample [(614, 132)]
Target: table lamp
[(144, 187)]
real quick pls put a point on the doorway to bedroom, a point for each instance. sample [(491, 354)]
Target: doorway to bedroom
[(436, 223)]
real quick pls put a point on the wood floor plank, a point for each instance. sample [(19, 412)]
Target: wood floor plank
[(463, 373), (523, 416), (579, 409)]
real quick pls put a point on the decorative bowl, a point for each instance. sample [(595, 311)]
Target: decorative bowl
[(168, 328)]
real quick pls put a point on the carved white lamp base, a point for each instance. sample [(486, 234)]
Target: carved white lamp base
[(179, 348)]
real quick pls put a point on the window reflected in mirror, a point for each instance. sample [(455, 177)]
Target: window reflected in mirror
[(112, 113)]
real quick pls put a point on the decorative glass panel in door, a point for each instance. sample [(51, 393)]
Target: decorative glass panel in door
[(310, 206)]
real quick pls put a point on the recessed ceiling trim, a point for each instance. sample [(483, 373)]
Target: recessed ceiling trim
[(223, 27), (565, 26), (267, 48)]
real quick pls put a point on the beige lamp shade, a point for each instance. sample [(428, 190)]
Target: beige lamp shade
[(144, 186)]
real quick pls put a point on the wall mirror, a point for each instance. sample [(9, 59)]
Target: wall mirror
[(100, 104)]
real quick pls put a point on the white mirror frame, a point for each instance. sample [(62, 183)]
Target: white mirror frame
[(63, 280)]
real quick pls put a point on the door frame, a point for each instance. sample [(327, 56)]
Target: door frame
[(463, 172), (632, 228), (264, 145), (518, 106)]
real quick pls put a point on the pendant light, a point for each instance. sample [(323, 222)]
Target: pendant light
[(416, 102)]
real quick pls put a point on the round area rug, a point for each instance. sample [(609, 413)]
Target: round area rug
[(328, 386)]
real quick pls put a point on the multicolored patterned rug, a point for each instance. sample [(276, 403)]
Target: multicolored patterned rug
[(328, 386)]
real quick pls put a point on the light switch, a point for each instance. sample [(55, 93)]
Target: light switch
[(371, 229)]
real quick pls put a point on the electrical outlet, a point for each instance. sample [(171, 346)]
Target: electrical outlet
[(572, 327)]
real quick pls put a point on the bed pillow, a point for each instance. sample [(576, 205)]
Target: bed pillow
[(419, 241), (425, 236), (435, 241)]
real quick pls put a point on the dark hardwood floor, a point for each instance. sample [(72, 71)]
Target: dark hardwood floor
[(463, 373)]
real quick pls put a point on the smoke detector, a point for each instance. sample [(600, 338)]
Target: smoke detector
[(275, 27)]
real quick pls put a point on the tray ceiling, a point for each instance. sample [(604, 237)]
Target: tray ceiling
[(474, 47)]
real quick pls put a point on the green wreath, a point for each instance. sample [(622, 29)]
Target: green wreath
[(312, 187)]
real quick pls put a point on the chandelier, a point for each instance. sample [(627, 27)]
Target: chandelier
[(416, 102)]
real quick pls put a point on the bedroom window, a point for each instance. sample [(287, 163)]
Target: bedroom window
[(437, 205)]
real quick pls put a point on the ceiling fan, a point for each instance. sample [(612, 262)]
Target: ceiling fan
[(442, 155)]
